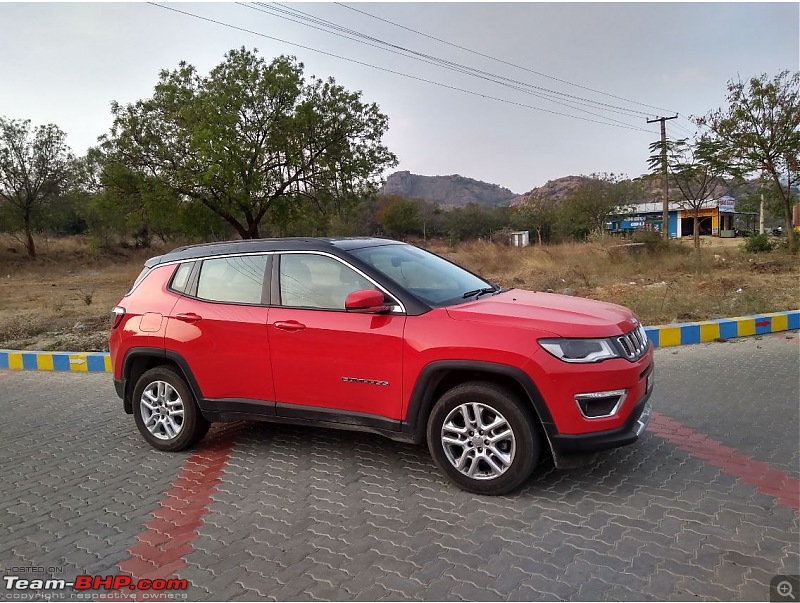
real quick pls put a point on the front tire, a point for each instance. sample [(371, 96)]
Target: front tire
[(165, 411), (483, 438)]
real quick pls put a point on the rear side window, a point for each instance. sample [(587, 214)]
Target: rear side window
[(181, 277), (237, 280)]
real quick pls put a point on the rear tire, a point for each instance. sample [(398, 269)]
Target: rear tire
[(484, 438), (165, 411)]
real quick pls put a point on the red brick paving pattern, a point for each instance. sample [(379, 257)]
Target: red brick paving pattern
[(762, 476), (168, 536)]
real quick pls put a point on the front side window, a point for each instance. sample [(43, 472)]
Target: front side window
[(431, 278), (237, 280), (317, 281)]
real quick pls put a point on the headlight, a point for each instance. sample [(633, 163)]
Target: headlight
[(579, 350)]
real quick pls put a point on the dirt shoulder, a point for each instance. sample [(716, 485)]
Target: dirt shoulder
[(62, 300)]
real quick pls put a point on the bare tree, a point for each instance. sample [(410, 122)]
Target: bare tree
[(35, 165)]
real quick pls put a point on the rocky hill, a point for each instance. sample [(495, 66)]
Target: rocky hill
[(447, 191), (651, 189), (555, 189)]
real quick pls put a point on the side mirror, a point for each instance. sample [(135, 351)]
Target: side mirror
[(365, 300)]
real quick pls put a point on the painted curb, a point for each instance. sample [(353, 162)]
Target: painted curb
[(76, 362), (723, 328), (662, 336)]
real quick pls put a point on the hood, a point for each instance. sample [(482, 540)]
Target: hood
[(562, 315)]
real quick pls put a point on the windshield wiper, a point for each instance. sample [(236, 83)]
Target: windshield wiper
[(478, 292)]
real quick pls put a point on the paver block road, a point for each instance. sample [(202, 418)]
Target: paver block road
[(703, 507)]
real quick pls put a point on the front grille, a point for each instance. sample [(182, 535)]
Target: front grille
[(633, 345)]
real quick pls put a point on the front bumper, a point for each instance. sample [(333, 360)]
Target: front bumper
[(625, 434)]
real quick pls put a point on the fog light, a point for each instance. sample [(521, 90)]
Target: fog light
[(599, 405)]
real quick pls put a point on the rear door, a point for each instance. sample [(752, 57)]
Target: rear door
[(219, 328), (328, 363)]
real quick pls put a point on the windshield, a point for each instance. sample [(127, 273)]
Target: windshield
[(429, 277)]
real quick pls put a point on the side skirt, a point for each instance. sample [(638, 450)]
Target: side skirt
[(226, 410)]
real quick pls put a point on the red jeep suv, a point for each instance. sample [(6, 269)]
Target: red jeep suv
[(380, 336)]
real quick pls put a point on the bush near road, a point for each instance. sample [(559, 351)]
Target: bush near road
[(61, 301)]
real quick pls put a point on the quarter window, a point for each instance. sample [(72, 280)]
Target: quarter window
[(235, 280), (317, 281), (181, 277)]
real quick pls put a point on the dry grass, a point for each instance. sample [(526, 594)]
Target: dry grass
[(62, 300), (662, 287)]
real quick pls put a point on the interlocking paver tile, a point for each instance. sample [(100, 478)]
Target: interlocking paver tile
[(302, 514)]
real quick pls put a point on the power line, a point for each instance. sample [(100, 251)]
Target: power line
[(399, 50), (510, 64), (406, 75), (286, 12)]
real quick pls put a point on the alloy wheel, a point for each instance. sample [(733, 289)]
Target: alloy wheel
[(162, 410), (478, 441)]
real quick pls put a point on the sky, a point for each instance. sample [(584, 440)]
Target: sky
[(65, 63)]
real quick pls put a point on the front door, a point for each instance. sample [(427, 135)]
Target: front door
[(328, 363)]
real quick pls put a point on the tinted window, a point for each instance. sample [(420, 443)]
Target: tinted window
[(181, 277), (317, 281), (434, 280), (236, 280)]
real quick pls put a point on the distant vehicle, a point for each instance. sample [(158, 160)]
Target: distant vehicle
[(380, 336), (777, 232)]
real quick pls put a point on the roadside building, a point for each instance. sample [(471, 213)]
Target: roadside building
[(717, 217), (643, 217)]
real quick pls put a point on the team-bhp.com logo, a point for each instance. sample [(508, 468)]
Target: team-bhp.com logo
[(94, 583)]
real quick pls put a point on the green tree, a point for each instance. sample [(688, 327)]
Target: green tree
[(475, 221), (760, 130), (694, 171), (36, 166), (538, 213), (401, 217), (251, 136), (589, 206)]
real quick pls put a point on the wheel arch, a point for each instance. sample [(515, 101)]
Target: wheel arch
[(440, 376), (137, 361)]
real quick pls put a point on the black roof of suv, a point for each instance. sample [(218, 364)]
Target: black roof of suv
[(255, 245)]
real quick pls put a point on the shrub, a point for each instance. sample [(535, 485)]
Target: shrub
[(653, 242), (758, 243)]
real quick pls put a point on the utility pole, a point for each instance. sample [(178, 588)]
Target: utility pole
[(761, 206), (665, 210)]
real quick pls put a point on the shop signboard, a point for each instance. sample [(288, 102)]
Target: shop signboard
[(727, 205)]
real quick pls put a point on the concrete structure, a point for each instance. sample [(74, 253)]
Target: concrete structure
[(520, 238)]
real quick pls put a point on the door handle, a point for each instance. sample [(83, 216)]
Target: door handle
[(289, 325), (188, 317)]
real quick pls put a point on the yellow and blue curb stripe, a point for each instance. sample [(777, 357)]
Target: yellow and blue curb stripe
[(82, 362), (723, 328), (661, 336)]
